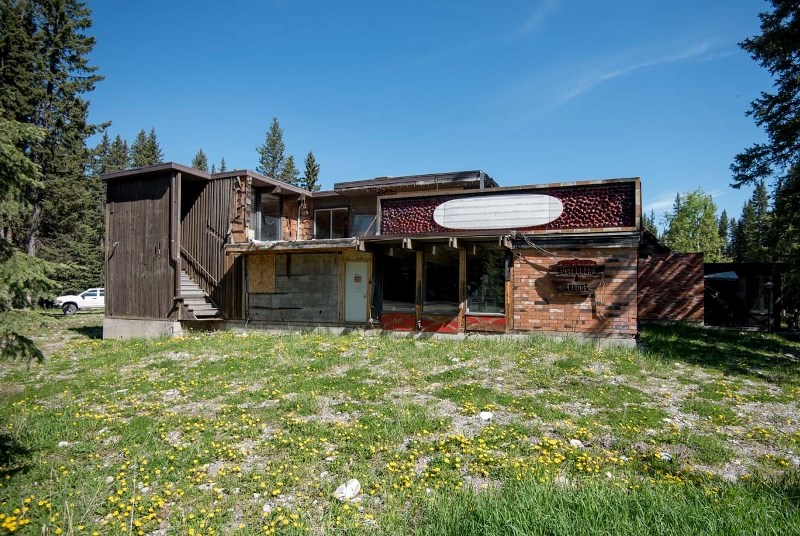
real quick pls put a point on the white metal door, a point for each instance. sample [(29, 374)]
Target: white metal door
[(355, 292)]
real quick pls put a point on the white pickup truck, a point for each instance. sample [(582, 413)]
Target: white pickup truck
[(93, 298)]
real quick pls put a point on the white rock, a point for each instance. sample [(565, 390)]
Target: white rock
[(348, 490), (577, 443), (109, 479), (666, 456), (486, 415), (267, 508), (62, 444)]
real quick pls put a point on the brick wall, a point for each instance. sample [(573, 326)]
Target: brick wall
[(611, 310), (671, 287)]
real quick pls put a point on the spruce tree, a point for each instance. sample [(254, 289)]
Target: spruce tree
[(222, 166), (649, 223), (118, 156), (200, 161), (777, 111), (309, 180), (270, 154), (139, 154), (44, 75), (722, 229), (156, 154), (145, 150), (290, 173)]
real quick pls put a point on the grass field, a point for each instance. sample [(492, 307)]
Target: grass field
[(696, 432)]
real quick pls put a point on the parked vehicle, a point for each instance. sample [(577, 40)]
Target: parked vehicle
[(93, 298)]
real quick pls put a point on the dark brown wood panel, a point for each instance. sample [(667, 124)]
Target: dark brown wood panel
[(139, 277), (208, 214)]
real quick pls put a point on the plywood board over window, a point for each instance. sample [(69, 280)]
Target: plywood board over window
[(261, 274)]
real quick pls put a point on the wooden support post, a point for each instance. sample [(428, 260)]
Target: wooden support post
[(419, 297), (462, 289), (342, 282)]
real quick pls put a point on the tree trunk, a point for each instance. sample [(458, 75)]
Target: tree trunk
[(33, 239)]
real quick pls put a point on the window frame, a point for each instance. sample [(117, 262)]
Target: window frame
[(257, 219), (330, 212)]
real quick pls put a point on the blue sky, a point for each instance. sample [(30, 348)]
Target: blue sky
[(530, 92)]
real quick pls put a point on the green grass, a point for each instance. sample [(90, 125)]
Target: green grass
[(534, 508), (201, 432)]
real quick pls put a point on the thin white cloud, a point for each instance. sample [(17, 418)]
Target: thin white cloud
[(535, 20), (660, 203), (696, 52)]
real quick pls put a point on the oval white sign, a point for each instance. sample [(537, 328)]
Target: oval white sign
[(512, 211)]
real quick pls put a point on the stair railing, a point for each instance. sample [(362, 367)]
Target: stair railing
[(199, 267)]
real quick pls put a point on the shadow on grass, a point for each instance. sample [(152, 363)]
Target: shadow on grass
[(13, 455), (90, 332), (731, 352)]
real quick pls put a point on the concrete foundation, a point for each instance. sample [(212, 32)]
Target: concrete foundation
[(129, 328)]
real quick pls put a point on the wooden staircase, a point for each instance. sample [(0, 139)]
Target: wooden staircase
[(197, 302)]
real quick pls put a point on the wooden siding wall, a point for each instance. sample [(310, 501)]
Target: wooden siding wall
[(208, 211), (139, 277), (305, 288)]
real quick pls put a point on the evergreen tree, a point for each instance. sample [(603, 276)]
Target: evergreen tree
[(722, 229), (20, 61), (118, 157), (200, 161), (145, 150), (100, 154), (777, 49), (213, 168), (222, 166), (692, 226), (270, 154), (45, 72), (649, 223), (138, 153), (734, 240), (154, 148), (290, 173), (309, 181)]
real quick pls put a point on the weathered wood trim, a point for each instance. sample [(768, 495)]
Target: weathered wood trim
[(342, 266), (462, 289), (419, 297)]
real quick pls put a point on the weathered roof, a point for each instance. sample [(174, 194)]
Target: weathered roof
[(203, 175), (432, 179), (156, 168)]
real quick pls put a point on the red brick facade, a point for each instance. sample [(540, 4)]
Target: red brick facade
[(611, 310), (671, 287)]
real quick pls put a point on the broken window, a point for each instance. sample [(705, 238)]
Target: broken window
[(486, 278), (330, 223), (440, 280), (399, 280), (268, 218), (364, 224)]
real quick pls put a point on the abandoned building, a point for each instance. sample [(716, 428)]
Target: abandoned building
[(444, 253)]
